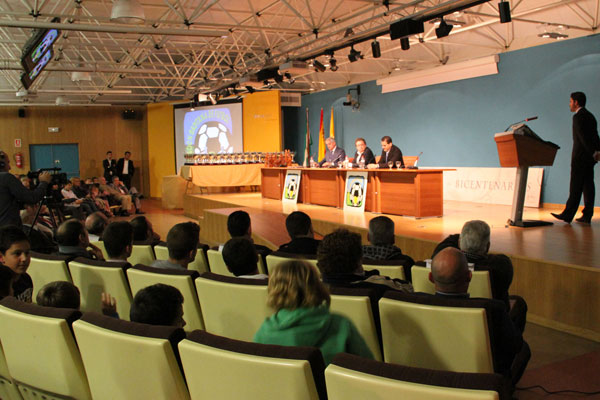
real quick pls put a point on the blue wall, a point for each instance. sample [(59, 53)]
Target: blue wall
[(453, 124)]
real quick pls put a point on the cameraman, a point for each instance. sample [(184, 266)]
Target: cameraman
[(12, 192)]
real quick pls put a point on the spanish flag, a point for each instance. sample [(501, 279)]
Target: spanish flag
[(331, 126), (307, 144), (321, 140)]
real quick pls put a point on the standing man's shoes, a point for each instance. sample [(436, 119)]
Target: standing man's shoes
[(560, 216), (584, 220)]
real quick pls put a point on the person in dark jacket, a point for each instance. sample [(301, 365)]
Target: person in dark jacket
[(299, 227)]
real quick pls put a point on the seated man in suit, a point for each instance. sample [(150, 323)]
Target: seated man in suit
[(182, 242), (73, 241), (333, 154), (389, 153), (240, 226), (382, 238), (363, 153), (451, 276), (241, 259), (299, 227)]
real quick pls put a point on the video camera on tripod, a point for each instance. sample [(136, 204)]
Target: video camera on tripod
[(57, 178)]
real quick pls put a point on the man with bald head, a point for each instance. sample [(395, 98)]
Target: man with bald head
[(450, 273), (451, 276)]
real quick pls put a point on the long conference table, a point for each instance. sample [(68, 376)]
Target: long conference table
[(411, 192)]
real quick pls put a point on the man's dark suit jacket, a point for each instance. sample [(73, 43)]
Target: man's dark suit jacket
[(303, 245), (585, 139), (109, 169), (367, 155), (120, 164), (338, 156), (394, 155)]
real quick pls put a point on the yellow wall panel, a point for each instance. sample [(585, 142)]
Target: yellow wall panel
[(262, 121), (161, 145)]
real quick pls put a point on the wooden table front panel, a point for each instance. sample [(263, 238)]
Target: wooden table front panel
[(396, 192), (272, 182), (323, 187), (430, 201)]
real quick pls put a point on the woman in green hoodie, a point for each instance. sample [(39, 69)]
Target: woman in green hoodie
[(302, 317)]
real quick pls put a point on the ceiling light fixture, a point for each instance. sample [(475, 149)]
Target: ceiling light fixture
[(354, 55), (319, 67), (375, 49), (443, 30), (504, 9), (553, 35), (127, 11), (404, 43)]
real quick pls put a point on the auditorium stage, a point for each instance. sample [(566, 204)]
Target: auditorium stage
[(557, 268)]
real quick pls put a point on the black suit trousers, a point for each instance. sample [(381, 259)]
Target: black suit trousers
[(582, 182)]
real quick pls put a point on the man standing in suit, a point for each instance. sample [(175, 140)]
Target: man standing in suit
[(389, 152), (586, 145), (125, 169), (333, 155), (109, 166), (363, 153)]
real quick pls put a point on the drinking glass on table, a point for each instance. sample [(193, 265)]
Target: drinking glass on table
[(398, 164), (361, 164), (391, 164)]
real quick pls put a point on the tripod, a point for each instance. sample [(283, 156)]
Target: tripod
[(54, 212)]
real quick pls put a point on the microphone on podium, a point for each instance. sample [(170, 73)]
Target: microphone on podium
[(525, 120), (414, 166)]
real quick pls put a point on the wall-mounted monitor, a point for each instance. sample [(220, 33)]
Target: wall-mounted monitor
[(27, 78)]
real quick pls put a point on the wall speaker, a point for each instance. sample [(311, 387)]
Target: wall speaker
[(405, 28), (129, 114), (21, 113)]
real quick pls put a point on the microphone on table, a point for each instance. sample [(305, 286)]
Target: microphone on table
[(525, 120), (414, 166)]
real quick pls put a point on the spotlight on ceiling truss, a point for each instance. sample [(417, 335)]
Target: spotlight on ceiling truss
[(443, 30), (127, 11), (354, 55)]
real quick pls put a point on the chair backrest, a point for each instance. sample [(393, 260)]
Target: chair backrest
[(258, 371), (141, 254), (276, 258), (100, 245), (94, 277), (480, 285), (142, 276), (216, 263), (437, 333), (46, 268), (232, 307), (8, 389), (393, 269), (128, 360), (355, 304), (350, 376), (199, 264), (40, 350)]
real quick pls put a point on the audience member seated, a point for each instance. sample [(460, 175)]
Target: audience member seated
[(73, 241), (474, 241), (80, 190), (95, 224), (382, 238), (122, 189), (241, 259), (7, 276), (158, 304), (299, 227), (239, 226), (14, 254), (451, 276), (302, 318), (118, 241), (339, 259), (123, 199), (62, 294), (102, 204), (143, 232), (72, 200), (182, 242)]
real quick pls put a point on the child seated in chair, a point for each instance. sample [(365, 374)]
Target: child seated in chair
[(63, 294), (14, 253), (302, 318)]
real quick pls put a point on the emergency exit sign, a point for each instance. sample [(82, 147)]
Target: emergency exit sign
[(17, 142)]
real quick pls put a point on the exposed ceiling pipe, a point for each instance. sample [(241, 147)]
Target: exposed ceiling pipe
[(113, 29), (91, 69)]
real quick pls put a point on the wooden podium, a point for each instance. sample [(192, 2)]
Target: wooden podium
[(523, 151)]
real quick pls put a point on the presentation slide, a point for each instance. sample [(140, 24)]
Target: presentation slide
[(210, 129)]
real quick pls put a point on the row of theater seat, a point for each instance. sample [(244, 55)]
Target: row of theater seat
[(59, 353)]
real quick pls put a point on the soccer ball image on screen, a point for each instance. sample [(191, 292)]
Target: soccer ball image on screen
[(355, 195), (213, 137)]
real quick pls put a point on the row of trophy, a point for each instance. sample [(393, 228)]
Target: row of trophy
[(280, 159), (226, 158)]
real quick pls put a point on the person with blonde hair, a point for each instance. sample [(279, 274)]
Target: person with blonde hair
[(302, 317)]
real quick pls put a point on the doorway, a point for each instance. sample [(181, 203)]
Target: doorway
[(63, 156)]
